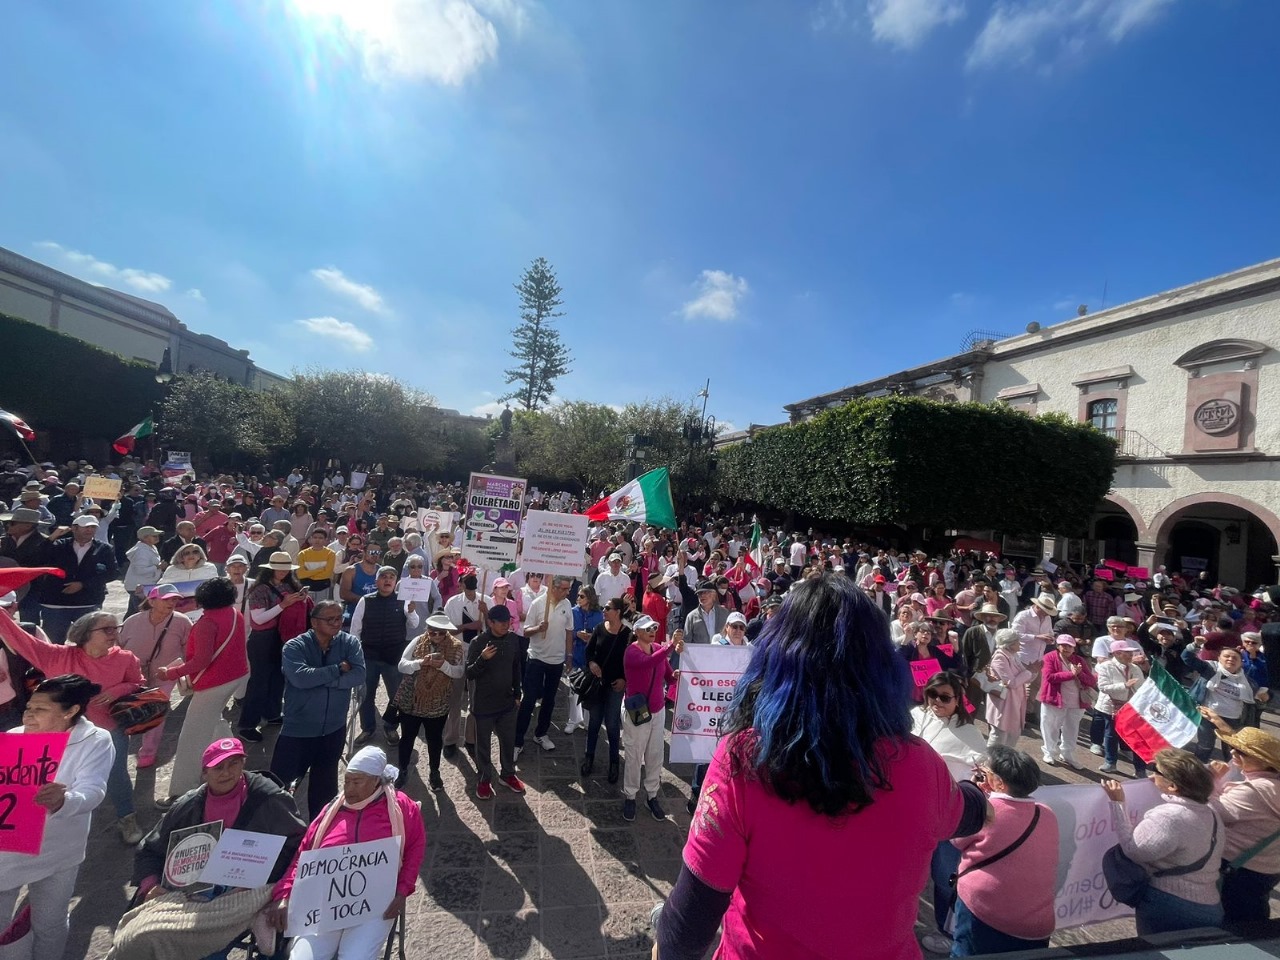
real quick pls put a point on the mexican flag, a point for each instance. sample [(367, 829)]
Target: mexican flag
[(125, 444), (646, 499), (1160, 714), (17, 425), (755, 553)]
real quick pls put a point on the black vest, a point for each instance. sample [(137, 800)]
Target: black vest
[(382, 631)]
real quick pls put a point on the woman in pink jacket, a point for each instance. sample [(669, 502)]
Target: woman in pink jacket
[(1006, 686), (368, 808), (1063, 700)]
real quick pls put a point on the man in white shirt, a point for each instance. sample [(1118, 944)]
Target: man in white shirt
[(549, 629), (613, 583), (1069, 601)]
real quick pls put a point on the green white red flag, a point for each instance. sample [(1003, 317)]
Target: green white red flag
[(1160, 714), (646, 499), (755, 551), (125, 443)]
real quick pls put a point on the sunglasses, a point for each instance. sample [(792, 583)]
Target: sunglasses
[(437, 633), (940, 697)]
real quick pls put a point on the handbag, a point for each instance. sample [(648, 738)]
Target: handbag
[(1128, 880), (1231, 867), (637, 707), (187, 685), (140, 711), (584, 684), (1035, 818)]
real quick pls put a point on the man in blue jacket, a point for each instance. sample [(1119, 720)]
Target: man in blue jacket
[(321, 668), (88, 566)]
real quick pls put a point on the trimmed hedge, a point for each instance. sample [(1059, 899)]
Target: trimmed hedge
[(913, 461)]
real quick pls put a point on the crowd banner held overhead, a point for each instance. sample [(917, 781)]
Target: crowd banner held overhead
[(242, 858), (101, 488), (189, 851), (491, 520), (555, 543), (339, 887), (708, 678), (1160, 714), (646, 499), (124, 445), (27, 762)]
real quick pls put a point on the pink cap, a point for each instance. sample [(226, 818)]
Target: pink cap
[(918, 598), (501, 582), (1065, 640), (220, 750), (1125, 646)]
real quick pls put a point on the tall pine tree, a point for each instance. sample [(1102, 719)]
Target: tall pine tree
[(540, 357)]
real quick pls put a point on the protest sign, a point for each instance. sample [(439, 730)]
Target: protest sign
[(414, 588), (242, 858), (708, 677), (339, 887), (101, 488), (923, 670), (429, 521), (1085, 833), (1139, 573), (189, 851), (948, 649), (1104, 573), (178, 464), (555, 543), (491, 520), (27, 762), (358, 479)]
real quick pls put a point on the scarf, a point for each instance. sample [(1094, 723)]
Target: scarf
[(340, 801)]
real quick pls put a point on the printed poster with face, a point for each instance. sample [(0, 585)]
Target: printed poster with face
[(491, 520)]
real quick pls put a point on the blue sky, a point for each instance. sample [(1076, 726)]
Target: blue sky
[(785, 196)]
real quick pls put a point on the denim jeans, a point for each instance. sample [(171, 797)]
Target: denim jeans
[(264, 697), (608, 709), (973, 937), (1111, 747), (119, 786), (295, 757), (390, 675), (541, 681), (1160, 912), (944, 862), (56, 620)]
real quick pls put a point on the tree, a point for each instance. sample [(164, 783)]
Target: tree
[(222, 420), (540, 357)]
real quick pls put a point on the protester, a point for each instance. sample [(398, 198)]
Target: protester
[(189, 565), (646, 667), (1179, 841), (1118, 678), (317, 563), (586, 617), (605, 653), (156, 636), (430, 663), (369, 808), (205, 926), (830, 769), (272, 621), (59, 704), (1064, 683), (1226, 691), (493, 667), (549, 630), (1005, 682), (88, 566), (381, 621), (144, 567)]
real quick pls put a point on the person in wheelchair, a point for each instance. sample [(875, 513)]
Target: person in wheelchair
[(168, 923), (368, 808)]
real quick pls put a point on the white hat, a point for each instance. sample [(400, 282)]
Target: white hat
[(280, 560), (85, 520), (372, 761), (237, 558), (645, 623), (735, 617)]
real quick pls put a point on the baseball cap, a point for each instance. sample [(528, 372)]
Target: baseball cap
[(85, 520), (500, 613), (220, 750), (645, 623), (163, 591), (736, 617)]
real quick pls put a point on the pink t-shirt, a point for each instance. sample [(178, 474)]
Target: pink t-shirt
[(810, 887)]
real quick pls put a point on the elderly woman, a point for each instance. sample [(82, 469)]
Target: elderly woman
[(646, 669), (58, 705), (1005, 683), (430, 663), (156, 636), (1250, 808), (272, 622), (1179, 841), (144, 567), (827, 768), (1065, 678), (92, 651), (943, 723), (1118, 677), (215, 663), (240, 800), (1227, 692), (368, 808)]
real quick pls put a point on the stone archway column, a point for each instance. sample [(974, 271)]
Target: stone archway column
[(1147, 556)]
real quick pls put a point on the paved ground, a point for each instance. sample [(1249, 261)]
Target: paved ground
[(556, 873)]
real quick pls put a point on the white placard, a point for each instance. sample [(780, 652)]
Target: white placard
[(708, 677), (358, 479), (414, 588), (339, 887), (554, 543), (242, 858)]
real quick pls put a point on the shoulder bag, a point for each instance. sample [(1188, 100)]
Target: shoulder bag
[(1230, 868), (1026, 834), (1128, 880), (187, 685)]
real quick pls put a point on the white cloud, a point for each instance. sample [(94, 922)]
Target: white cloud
[(829, 15), (439, 41), (347, 334), (361, 293), (195, 294), (906, 23), (718, 295), (1021, 33), (90, 268), (490, 409)]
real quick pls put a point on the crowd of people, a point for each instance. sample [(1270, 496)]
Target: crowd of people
[(276, 605)]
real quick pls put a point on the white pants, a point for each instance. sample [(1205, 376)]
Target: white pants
[(644, 746), (50, 901), (1002, 738), (1059, 729), (202, 725), (363, 942)]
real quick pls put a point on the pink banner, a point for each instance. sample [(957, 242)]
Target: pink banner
[(28, 761), (1139, 573), (923, 670), (1116, 565), (1102, 573)]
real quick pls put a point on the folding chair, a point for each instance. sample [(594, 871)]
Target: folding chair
[(353, 720), (395, 936)]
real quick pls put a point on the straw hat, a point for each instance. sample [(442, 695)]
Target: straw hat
[(280, 560), (1261, 746), (1045, 604), (990, 610)]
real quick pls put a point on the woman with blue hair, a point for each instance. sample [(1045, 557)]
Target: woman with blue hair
[(816, 789)]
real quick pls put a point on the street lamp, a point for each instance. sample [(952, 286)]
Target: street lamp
[(164, 372)]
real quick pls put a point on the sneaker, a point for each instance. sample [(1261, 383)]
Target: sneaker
[(936, 943), (484, 790), (655, 808), (392, 735), (1096, 750), (250, 734), (435, 780), (513, 783), (364, 737), (516, 754), (544, 742), (130, 833), (629, 810), (570, 727), (1071, 762), (1048, 761), (450, 751), (1107, 768)]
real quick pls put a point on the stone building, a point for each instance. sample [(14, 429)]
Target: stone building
[(1187, 382)]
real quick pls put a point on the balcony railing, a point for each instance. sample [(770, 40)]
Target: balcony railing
[(1135, 445)]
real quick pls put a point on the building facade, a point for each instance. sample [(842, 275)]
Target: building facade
[(1187, 382), (130, 326)]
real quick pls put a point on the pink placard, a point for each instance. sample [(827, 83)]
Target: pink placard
[(1116, 565), (27, 762), (1102, 573), (923, 670), (948, 649), (1139, 573)]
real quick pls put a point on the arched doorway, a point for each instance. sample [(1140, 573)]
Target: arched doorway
[(1232, 538), (1119, 536)]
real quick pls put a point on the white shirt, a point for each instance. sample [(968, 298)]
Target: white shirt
[(458, 604), (610, 586), (1030, 623), (799, 553), (357, 618), (1068, 604), (549, 645)]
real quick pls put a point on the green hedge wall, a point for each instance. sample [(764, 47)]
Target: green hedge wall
[(914, 461), (58, 383)]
